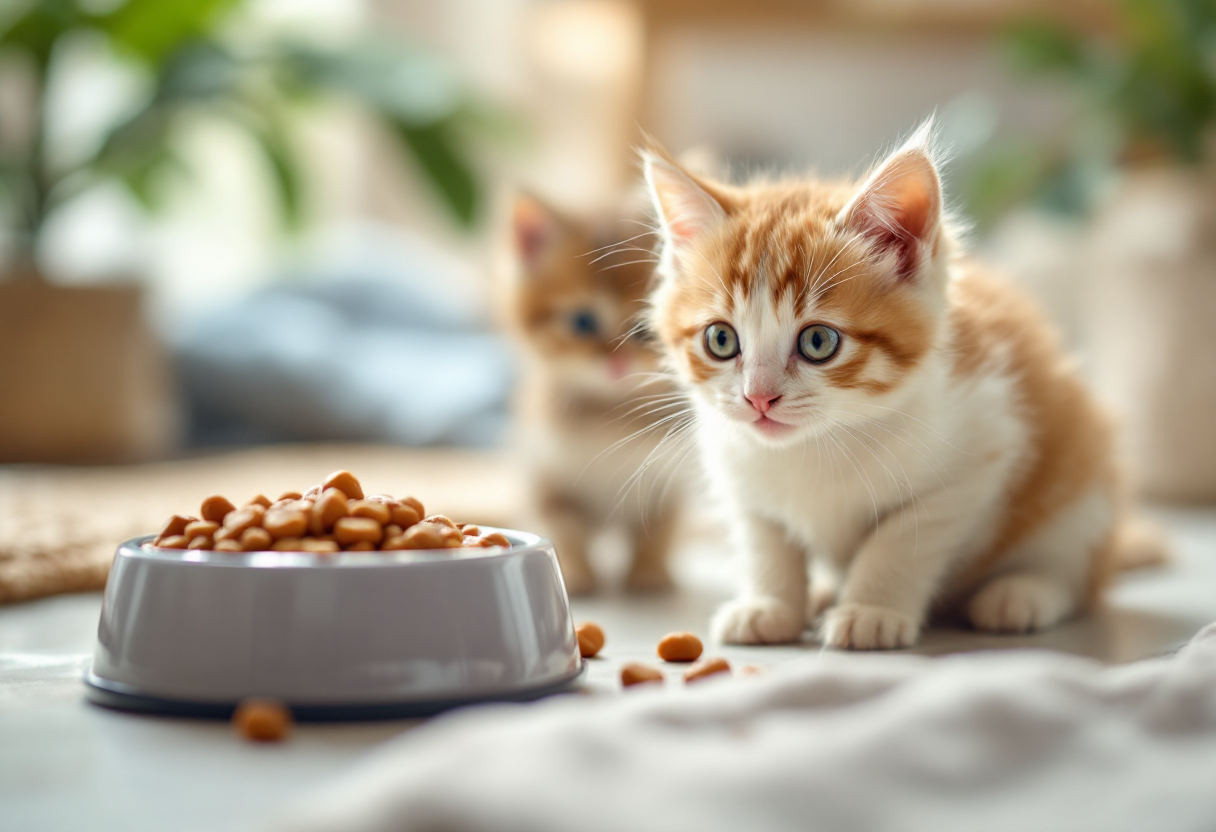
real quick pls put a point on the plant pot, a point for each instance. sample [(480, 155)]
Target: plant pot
[(83, 378), (1149, 321)]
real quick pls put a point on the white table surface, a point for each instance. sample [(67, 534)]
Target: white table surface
[(66, 765)]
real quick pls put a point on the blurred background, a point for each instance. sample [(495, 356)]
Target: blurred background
[(234, 222)]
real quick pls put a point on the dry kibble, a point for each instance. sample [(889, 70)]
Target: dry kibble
[(709, 667), (495, 539), (680, 647), (329, 509), (361, 546), (393, 530), (640, 674), (469, 530), (318, 547), (176, 541), (260, 500), (379, 512), (350, 530), (176, 526), (201, 528), (289, 495), (415, 504), (245, 518), (201, 542), (262, 720), (215, 508), (288, 544), (312, 493), (441, 520), (345, 482), (405, 515), (285, 522), (394, 543), (229, 546), (256, 539), (590, 639), (427, 536)]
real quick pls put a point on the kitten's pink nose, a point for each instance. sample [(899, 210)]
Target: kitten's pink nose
[(763, 402)]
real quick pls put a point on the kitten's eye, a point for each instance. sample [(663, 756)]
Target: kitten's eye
[(818, 343), (721, 341), (584, 323)]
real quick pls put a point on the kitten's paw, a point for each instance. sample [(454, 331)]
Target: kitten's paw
[(651, 577), (758, 620), (1019, 603), (864, 627)]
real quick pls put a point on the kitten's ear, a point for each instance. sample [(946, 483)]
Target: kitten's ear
[(685, 207), (900, 205), (536, 227)]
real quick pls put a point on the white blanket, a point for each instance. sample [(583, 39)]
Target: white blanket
[(994, 741)]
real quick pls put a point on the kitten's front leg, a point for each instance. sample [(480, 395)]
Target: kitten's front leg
[(772, 609), (895, 575)]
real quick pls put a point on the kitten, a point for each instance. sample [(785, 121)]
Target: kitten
[(869, 402), (591, 410)]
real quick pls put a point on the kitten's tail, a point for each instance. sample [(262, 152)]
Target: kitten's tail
[(1140, 543)]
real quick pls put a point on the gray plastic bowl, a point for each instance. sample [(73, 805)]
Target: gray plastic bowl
[(344, 636)]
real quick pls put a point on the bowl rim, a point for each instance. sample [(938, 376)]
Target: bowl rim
[(521, 542)]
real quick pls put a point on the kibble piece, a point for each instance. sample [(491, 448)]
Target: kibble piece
[(215, 508), (312, 493), (331, 507), (255, 539), (176, 526), (709, 667), (318, 547), (206, 528), (285, 522), (441, 520), (495, 539), (227, 534), (345, 482), (393, 543), (379, 512), (350, 530), (262, 720), (590, 639), (289, 495), (640, 674), (361, 546), (405, 515), (680, 647), (415, 504), (244, 518), (260, 500), (201, 541), (288, 544), (176, 541), (468, 529), (229, 546), (428, 536), (393, 530)]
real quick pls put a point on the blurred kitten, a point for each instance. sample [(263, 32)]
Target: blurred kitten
[(590, 413)]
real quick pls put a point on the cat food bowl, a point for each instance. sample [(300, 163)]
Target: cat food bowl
[(335, 636)]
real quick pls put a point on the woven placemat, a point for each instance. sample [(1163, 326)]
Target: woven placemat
[(59, 526)]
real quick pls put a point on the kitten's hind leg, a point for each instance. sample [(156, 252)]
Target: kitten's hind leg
[(1021, 602)]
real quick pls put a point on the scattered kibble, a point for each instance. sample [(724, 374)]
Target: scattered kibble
[(590, 639), (679, 647), (332, 516), (635, 673), (262, 720), (709, 667)]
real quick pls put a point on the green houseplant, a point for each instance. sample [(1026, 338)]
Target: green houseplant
[(93, 384), (1138, 166)]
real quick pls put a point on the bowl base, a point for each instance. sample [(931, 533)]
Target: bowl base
[(122, 697)]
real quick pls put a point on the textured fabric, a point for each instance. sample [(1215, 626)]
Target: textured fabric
[(59, 526), (991, 741)]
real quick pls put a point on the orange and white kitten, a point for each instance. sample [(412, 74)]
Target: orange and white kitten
[(873, 406), (590, 411)]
